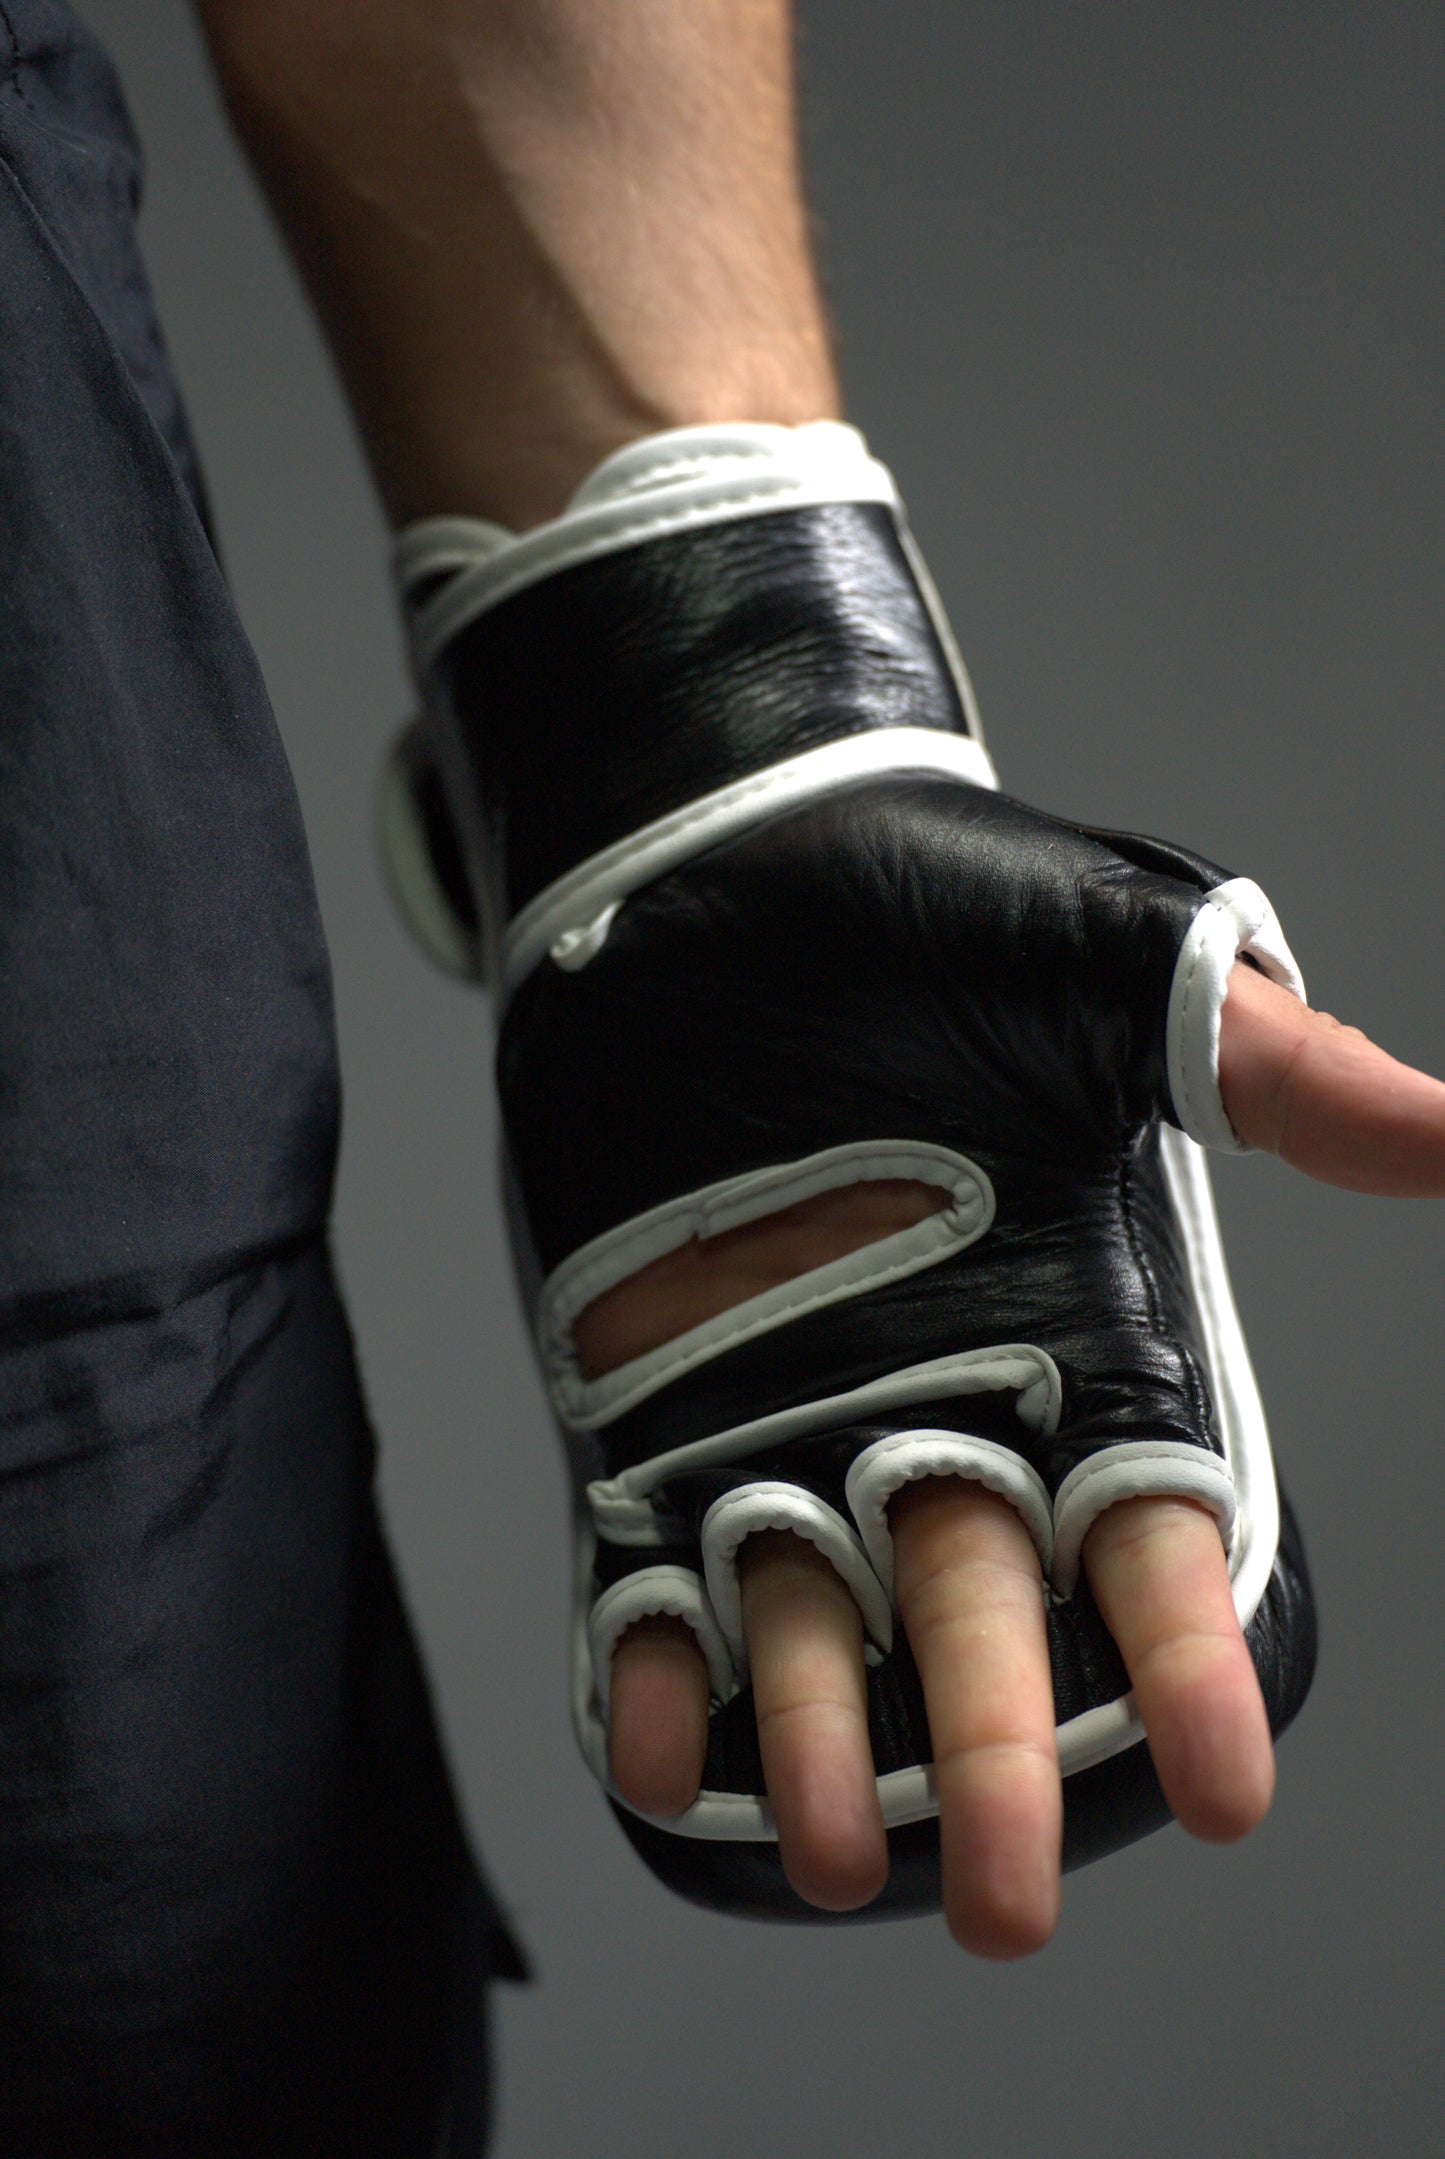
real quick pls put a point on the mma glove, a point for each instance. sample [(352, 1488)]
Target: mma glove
[(700, 792)]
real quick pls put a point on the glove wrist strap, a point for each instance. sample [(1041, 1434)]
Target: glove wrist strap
[(717, 605)]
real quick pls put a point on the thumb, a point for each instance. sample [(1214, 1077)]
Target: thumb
[(1323, 1097)]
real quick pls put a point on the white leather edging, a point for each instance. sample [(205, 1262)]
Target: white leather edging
[(574, 948), (576, 902), (1236, 918), (904, 1795), (752, 1508), (450, 570), (653, 1592), (622, 1507), (1135, 1469), (587, 1405), (411, 880), (1238, 1411), (910, 1795), (670, 482), (880, 1472)]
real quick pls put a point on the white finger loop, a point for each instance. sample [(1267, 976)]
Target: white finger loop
[(743, 1513), (882, 1470), (653, 1593), (1136, 1469), (1236, 918)]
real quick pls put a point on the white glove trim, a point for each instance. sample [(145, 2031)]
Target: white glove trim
[(676, 481), (1238, 1411), (881, 1471), (654, 1592), (576, 902), (1135, 1469), (743, 1513), (411, 880), (910, 1795), (623, 1508), (1235, 918), (587, 1405)]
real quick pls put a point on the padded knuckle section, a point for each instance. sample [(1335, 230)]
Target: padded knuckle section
[(750, 1509), (669, 1592), (1139, 1469), (883, 1469)]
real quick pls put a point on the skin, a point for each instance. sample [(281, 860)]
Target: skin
[(536, 230), (1294, 1082)]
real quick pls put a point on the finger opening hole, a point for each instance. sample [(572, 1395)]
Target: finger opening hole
[(705, 1276)]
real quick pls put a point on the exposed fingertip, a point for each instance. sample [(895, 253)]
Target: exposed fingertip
[(1002, 1835), (842, 1879), (1210, 1740), (658, 1724), (1008, 1916), (1004, 1937), (831, 1838), (1222, 1808), (661, 1790)]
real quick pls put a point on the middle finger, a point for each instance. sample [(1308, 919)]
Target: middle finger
[(971, 1596)]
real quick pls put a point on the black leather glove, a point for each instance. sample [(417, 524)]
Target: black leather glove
[(701, 790)]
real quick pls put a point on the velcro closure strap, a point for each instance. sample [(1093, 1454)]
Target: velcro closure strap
[(1136, 1469), (883, 1469), (571, 918), (742, 1513), (453, 571)]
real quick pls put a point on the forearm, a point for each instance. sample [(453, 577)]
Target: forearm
[(535, 229)]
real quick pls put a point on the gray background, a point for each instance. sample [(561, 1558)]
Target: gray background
[(1145, 306)]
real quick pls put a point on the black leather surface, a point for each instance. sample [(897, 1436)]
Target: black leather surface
[(618, 690), (917, 959), (912, 959)]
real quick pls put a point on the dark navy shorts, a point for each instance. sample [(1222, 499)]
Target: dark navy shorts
[(238, 1918)]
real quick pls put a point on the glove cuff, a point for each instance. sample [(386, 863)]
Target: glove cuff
[(450, 571), (726, 622)]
